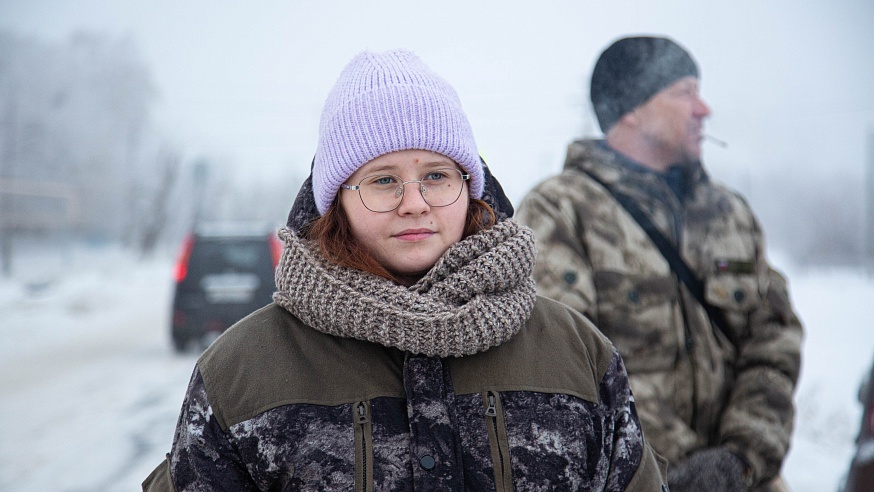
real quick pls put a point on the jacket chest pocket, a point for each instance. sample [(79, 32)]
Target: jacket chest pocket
[(638, 313), (734, 295)]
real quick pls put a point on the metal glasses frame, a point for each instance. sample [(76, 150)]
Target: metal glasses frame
[(403, 186)]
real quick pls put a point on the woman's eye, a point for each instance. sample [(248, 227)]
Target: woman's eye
[(382, 180), (435, 176)]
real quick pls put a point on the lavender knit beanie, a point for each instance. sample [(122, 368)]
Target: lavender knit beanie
[(384, 102)]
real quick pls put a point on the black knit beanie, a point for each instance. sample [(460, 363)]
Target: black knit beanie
[(631, 71)]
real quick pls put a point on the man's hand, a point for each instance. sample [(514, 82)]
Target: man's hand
[(710, 469)]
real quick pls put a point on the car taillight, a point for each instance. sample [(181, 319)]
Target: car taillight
[(275, 249), (181, 269)]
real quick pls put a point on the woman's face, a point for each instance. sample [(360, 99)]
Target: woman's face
[(410, 239)]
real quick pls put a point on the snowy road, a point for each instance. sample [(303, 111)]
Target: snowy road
[(90, 389)]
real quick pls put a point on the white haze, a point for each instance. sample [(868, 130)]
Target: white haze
[(242, 83), (789, 82)]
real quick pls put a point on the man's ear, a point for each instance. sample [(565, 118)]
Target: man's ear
[(629, 119), (623, 126)]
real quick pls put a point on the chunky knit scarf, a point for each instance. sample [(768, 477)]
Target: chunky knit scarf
[(477, 295)]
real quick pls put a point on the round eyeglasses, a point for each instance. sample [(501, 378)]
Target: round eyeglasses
[(384, 192)]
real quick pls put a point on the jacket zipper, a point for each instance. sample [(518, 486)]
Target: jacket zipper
[(492, 413), (362, 420), (502, 480), (689, 346)]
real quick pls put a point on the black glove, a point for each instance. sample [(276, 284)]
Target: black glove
[(710, 469)]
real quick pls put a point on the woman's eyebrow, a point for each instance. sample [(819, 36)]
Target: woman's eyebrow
[(383, 169), (438, 164), (395, 169)]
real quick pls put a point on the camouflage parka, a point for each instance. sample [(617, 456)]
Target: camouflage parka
[(277, 405), (694, 385)]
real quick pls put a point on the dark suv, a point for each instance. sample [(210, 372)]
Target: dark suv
[(860, 478), (224, 272)]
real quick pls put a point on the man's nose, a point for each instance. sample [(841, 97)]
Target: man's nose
[(702, 110)]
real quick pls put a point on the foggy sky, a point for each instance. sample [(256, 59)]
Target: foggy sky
[(791, 83)]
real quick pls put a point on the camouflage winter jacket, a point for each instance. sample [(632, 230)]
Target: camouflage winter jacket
[(277, 405), (694, 385)]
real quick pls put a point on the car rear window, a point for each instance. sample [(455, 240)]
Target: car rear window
[(211, 255)]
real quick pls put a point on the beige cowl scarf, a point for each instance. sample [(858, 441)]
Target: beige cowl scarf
[(477, 295)]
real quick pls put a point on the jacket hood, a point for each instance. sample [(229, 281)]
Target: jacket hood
[(595, 157)]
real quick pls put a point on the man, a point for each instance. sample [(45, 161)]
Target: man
[(707, 332)]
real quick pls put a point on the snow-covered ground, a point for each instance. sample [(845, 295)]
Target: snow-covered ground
[(90, 389)]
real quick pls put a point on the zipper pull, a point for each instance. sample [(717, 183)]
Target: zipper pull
[(491, 411), (361, 418)]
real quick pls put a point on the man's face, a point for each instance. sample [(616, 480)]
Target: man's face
[(672, 121)]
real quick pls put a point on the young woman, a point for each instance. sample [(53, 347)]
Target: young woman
[(406, 348)]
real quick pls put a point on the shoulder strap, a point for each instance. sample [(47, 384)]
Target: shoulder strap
[(669, 251)]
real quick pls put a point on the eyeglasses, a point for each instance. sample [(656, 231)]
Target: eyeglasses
[(384, 192)]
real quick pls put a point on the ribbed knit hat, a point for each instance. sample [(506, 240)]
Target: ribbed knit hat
[(384, 102), (631, 71)]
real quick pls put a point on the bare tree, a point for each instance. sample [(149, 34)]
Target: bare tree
[(156, 216), (73, 116)]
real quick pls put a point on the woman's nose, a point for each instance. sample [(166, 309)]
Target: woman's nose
[(413, 200)]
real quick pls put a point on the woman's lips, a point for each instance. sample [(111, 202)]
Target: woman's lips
[(414, 234)]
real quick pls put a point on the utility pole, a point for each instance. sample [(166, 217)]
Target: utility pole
[(9, 147), (869, 206), (200, 174)]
